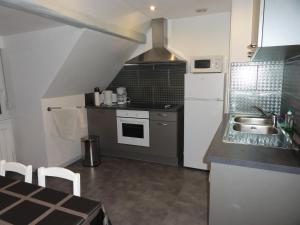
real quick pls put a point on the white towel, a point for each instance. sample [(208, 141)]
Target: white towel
[(82, 118), (52, 126), (66, 123)]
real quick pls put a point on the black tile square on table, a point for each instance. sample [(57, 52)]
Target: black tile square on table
[(82, 205), (24, 213), (6, 200), (50, 196), (23, 188), (61, 218), (4, 181)]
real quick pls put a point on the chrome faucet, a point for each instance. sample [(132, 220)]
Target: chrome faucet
[(268, 115), (265, 114)]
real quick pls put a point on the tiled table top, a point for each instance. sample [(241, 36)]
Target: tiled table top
[(22, 203)]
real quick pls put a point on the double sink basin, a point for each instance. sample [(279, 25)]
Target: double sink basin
[(251, 130), (254, 125)]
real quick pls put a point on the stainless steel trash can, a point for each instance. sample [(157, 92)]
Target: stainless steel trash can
[(90, 151)]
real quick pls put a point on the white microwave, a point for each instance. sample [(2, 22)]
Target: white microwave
[(208, 64)]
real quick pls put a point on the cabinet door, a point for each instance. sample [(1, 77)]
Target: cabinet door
[(163, 138), (281, 25), (103, 123), (241, 30), (257, 18)]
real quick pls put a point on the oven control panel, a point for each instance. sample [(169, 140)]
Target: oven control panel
[(133, 114)]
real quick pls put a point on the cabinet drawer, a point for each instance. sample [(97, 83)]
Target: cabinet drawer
[(163, 116)]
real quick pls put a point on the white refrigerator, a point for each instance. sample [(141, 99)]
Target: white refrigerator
[(203, 113)]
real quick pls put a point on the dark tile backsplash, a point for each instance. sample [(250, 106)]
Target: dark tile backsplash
[(291, 91), (157, 84)]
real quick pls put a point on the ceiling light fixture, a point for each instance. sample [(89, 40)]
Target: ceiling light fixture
[(152, 8)]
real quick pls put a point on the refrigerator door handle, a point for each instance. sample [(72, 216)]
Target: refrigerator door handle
[(205, 99)]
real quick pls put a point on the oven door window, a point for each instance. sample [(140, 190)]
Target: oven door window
[(133, 130)]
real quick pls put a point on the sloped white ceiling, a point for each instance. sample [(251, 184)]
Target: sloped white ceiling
[(14, 21), (116, 12), (94, 61), (172, 9)]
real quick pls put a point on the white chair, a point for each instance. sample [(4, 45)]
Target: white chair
[(16, 167), (61, 173)]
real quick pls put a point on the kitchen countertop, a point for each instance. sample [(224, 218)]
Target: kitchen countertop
[(174, 108), (276, 159)]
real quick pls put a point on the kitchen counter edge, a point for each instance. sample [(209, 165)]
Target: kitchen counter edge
[(175, 109), (260, 157)]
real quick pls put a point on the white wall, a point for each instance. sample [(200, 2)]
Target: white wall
[(61, 151), (32, 61), (53, 63), (201, 35), (7, 144), (2, 86), (196, 36), (1, 42), (94, 61)]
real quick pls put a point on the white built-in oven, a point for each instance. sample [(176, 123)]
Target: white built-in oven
[(133, 127)]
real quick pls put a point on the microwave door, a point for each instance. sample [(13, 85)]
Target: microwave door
[(202, 64), (207, 64)]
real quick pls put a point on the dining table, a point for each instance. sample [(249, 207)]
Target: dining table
[(28, 204)]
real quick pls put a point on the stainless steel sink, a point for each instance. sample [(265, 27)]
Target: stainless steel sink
[(255, 129), (251, 130), (253, 120)]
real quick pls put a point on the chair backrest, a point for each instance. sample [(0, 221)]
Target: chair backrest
[(61, 173), (16, 167)]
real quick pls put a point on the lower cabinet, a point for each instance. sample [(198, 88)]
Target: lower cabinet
[(163, 138), (166, 136), (103, 123), (250, 196), (165, 131)]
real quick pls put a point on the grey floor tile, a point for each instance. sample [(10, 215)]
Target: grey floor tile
[(135, 192)]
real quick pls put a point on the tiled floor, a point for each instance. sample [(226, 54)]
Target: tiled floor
[(136, 193)]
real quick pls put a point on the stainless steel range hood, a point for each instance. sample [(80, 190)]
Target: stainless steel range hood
[(159, 52)]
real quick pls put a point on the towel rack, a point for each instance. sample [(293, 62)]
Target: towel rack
[(50, 108)]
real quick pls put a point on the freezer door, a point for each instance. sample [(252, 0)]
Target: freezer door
[(201, 121), (204, 86)]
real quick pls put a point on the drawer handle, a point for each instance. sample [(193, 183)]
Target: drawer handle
[(163, 114), (162, 124)]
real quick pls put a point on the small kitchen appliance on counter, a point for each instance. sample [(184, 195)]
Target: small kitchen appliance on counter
[(108, 97), (121, 95)]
